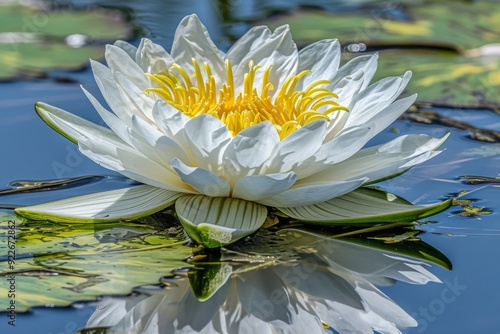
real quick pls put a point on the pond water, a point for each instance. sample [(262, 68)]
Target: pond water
[(467, 300)]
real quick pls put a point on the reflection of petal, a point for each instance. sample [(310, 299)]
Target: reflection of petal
[(373, 263), (322, 285), (255, 294), (333, 282), (198, 315)]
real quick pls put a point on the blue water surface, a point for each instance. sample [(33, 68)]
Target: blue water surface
[(468, 300)]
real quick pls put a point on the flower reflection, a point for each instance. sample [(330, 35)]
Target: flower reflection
[(328, 285)]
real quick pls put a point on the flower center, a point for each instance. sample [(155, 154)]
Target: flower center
[(287, 109)]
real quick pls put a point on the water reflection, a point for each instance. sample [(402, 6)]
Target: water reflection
[(327, 284)]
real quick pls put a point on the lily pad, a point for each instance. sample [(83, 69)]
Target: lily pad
[(58, 264), (36, 38), (364, 206), (467, 75), (460, 27), (446, 79)]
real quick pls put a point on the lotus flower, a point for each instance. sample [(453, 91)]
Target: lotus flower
[(223, 135), (335, 285)]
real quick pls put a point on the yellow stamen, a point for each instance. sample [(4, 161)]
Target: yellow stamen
[(288, 110)]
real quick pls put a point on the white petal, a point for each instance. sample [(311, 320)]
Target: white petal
[(297, 147), (381, 161), (218, 221), (322, 58), (171, 121), (116, 124), (249, 150), (120, 204), (389, 114), (375, 98), (279, 51), (164, 147), (256, 187), (141, 103), (250, 40), (192, 40), (204, 181), (348, 88), (131, 163), (73, 127), (306, 194), (145, 138), (127, 47), (152, 58), (367, 64), (110, 91), (120, 62), (207, 138), (348, 142)]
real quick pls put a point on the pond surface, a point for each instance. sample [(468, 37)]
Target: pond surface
[(467, 300)]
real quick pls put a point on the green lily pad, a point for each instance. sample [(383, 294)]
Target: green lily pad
[(363, 206), (446, 79), (467, 75), (58, 264), (462, 26), (34, 39)]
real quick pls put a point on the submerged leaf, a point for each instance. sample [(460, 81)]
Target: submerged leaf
[(54, 38), (465, 25), (59, 264), (447, 79), (433, 117), (466, 75)]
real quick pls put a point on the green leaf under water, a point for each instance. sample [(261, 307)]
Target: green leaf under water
[(467, 75), (37, 38), (443, 78), (58, 264), (462, 26)]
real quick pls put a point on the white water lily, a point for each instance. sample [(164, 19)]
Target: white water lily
[(226, 134)]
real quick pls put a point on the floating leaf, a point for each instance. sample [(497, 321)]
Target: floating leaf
[(34, 39), (364, 205), (463, 26), (113, 205), (446, 79)]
